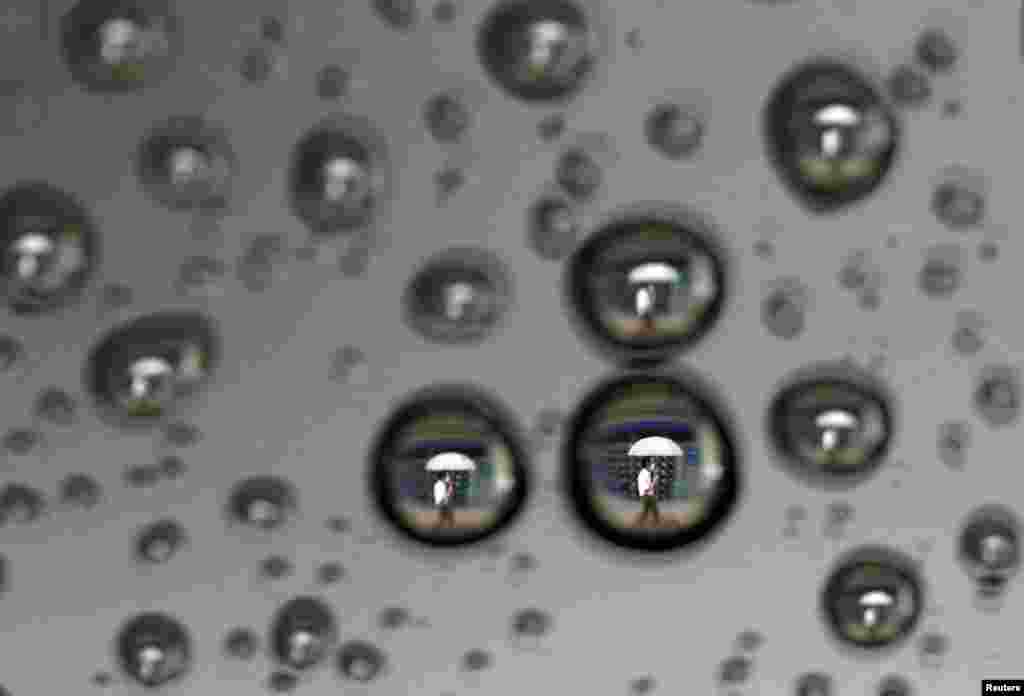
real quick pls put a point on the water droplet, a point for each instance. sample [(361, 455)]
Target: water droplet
[(967, 339), (952, 108), (909, 87), (832, 429), (445, 12), (21, 504), (641, 686), (392, 618), (263, 502), (154, 649), (200, 274), (116, 296), (553, 229), (579, 174), (784, 309), (11, 352), (141, 476), (958, 205), (447, 117), (100, 679), (873, 598), (181, 434), (551, 127), (764, 249), (447, 181), (241, 643), (477, 660), (160, 541), (893, 685), (749, 640), (275, 567), (21, 441), (634, 40), (55, 406), (339, 525), (49, 248), (648, 284), (636, 463), (340, 175), (332, 82), (988, 547), (997, 396), (531, 623), (281, 682), (360, 661), (838, 515), (302, 632), (272, 29), (187, 163), (458, 296), (942, 272), (257, 65), (398, 14), (814, 684), (538, 50), (831, 136), (735, 670), (329, 573), (674, 131), (80, 490), (933, 648), (936, 50), (343, 361), (145, 369), (953, 441), (523, 562), (123, 47)]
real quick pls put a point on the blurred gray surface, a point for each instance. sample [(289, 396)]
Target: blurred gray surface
[(272, 408)]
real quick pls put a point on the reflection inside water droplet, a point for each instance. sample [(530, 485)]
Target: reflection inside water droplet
[(154, 649)]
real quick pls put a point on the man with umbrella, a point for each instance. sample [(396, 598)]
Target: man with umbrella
[(445, 464), (650, 451), (653, 282)]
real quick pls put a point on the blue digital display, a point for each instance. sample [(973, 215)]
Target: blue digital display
[(692, 456)]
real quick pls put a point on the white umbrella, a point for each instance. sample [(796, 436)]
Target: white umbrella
[(831, 421), (655, 446), (450, 461), (655, 272)]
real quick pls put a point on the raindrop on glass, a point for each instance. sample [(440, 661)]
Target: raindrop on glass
[(154, 649), (392, 618), (241, 643), (145, 369), (275, 567), (329, 573), (115, 48), (942, 272), (814, 684), (398, 14), (537, 50), (873, 598), (531, 623), (80, 490), (989, 547), (160, 541), (360, 661), (553, 228), (909, 86), (281, 682), (263, 502), (332, 82), (458, 296), (303, 631), (55, 406), (997, 394), (187, 163), (447, 117), (21, 504), (674, 131), (477, 660), (579, 174), (784, 309), (958, 205), (953, 441), (735, 670), (49, 247), (11, 352), (832, 137), (21, 441), (893, 685), (936, 50)]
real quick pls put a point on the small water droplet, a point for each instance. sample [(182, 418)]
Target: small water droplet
[(933, 649), (967, 340), (952, 108), (447, 117), (275, 567), (641, 686), (445, 11), (551, 127), (339, 524), (477, 660), (256, 266), (997, 396), (329, 573), (814, 684), (101, 679), (303, 631), (11, 352), (447, 181), (942, 272), (343, 361), (954, 439), (764, 249), (735, 670), (160, 541), (579, 174), (21, 441), (80, 490), (784, 309), (281, 682), (393, 618), (241, 643), (531, 623), (958, 205), (936, 50), (257, 65), (272, 29), (116, 296), (360, 661), (838, 515), (909, 87), (749, 640), (21, 504), (181, 434), (552, 228), (674, 131), (332, 82), (172, 467), (263, 502), (398, 14), (988, 251), (893, 685), (523, 562), (141, 476)]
